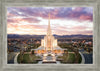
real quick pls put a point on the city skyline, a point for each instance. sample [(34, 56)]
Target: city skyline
[(64, 20)]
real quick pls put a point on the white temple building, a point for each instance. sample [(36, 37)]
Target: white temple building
[(49, 44)]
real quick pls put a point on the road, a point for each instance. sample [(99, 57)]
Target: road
[(87, 56)]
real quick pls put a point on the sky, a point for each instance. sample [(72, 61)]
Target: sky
[(63, 20)]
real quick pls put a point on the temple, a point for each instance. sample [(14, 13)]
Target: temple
[(49, 44)]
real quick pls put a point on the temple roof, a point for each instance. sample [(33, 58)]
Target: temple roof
[(40, 48), (57, 48)]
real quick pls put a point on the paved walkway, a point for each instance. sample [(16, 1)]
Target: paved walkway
[(71, 52), (15, 59), (83, 59), (11, 57), (27, 52)]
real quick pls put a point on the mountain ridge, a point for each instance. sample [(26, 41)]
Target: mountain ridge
[(41, 36)]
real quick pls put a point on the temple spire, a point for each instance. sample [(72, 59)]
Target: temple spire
[(49, 28)]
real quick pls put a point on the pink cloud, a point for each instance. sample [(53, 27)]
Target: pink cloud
[(84, 17), (79, 14), (18, 20)]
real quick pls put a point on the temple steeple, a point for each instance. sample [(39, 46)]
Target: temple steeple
[(49, 28), (49, 45)]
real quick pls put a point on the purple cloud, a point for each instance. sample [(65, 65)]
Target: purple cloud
[(18, 20), (79, 13), (19, 15)]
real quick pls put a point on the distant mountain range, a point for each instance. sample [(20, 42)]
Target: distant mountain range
[(56, 36)]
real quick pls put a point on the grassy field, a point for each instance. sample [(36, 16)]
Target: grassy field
[(67, 58), (71, 58), (31, 58), (27, 58), (80, 59)]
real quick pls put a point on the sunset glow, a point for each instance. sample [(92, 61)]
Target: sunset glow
[(64, 20)]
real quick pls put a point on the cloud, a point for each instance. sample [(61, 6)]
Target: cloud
[(78, 13), (26, 29), (19, 20), (64, 20), (31, 20)]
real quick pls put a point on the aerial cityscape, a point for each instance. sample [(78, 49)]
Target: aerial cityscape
[(50, 35)]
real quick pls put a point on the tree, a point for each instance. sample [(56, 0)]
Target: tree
[(21, 55), (32, 51)]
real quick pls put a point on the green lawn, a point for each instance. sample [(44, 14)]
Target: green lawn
[(80, 59), (27, 58), (69, 50), (71, 58), (67, 58)]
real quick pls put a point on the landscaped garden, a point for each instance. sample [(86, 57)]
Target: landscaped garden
[(72, 56), (69, 58), (28, 58)]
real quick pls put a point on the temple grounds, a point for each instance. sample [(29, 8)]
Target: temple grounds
[(67, 58)]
